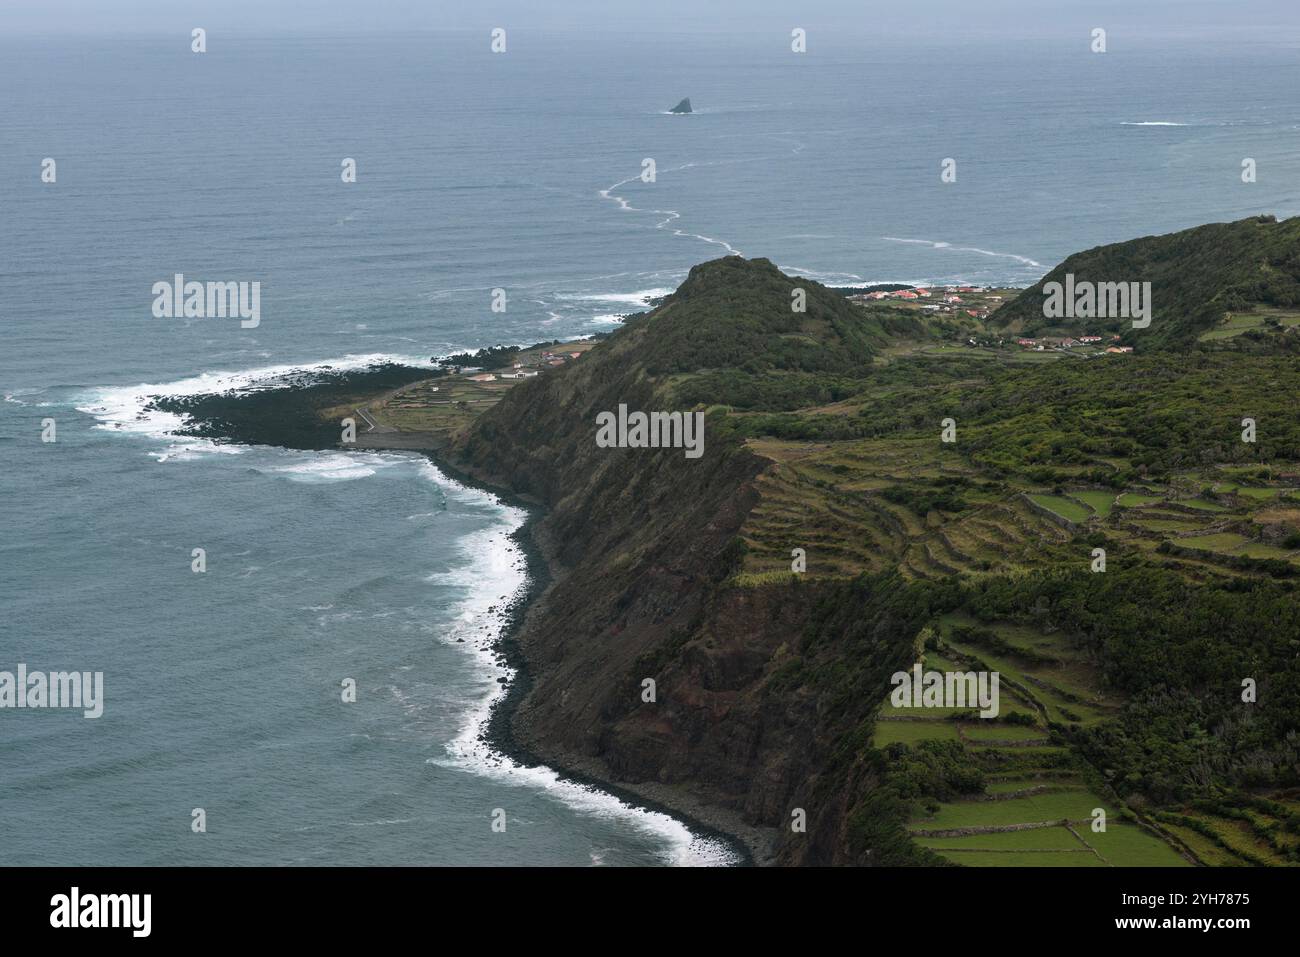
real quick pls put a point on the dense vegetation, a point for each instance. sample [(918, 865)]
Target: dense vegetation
[(756, 350), (1154, 412), (1178, 651), (1168, 643), (1124, 689), (1196, 275)]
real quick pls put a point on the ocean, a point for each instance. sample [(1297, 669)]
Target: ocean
[(475, 172)]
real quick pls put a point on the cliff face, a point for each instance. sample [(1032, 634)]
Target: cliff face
[(752, 694), (676, 569)]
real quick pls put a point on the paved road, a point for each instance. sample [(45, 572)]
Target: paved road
[(373, 425)]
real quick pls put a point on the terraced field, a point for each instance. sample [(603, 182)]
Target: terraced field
[(1039, 800), (910, 503), (1136, 499), (837, 503), (1234, 324), (1099, 502), (1046, 673), (1028, 821), (841, 535), (1256, 835), (865, 506), (909, 732), (1067, 508), (1057, 462)]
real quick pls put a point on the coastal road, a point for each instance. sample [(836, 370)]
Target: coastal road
[(380, 436), (374, 426)]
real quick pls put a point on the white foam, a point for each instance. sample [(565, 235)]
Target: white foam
[(491, 568), (670, 215), (825, 278), (631, 298), (938, 244), (188, 451), (1153, 123), (333, 467)]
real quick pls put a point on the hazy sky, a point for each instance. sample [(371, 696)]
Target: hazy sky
[(1274, 20)]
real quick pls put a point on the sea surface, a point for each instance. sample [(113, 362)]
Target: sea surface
[(475, 171)]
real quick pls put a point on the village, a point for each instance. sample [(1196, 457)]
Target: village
[(1044, 343), (531, 362), (978, 303), (973, 301), (441, 405)]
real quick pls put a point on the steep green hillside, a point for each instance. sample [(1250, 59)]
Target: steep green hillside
[(1201, 280), (770, 683), (754, 351), (1111, 536)]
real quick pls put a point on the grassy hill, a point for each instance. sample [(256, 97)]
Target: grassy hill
[(1124, 685), (1210, 284), (755, 351), (829, 537)]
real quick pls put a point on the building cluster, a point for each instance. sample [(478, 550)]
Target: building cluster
[(950, 294), (1043, 343), (528, 367), (947, 299)]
